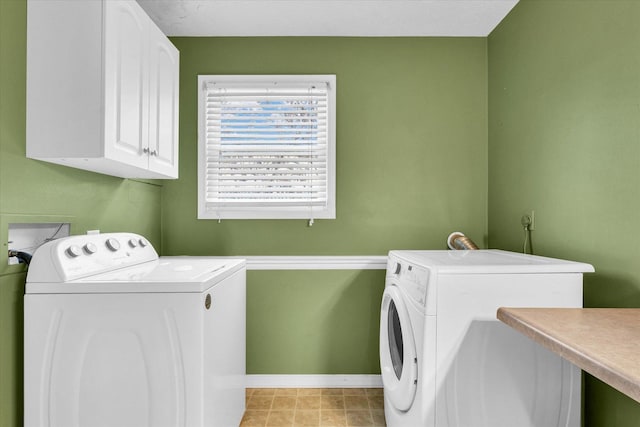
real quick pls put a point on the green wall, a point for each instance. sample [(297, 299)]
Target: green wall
[(411, 168), (304, 322), (37, 191), (564, 140), (411, 145)]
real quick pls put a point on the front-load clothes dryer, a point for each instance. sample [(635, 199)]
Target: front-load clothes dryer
[(446, 361), (117, 337)]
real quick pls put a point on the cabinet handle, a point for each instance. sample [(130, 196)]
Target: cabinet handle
[(145, 150), (154, 153)]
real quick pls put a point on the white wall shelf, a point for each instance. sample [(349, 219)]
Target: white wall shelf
[(339, 262)]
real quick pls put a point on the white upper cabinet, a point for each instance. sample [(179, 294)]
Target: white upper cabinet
[(163, 104), (102, 89)]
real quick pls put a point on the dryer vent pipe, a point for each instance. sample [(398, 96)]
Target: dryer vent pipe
[(457, 240)]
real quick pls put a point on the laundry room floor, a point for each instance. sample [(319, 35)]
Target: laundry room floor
[(336, 407)]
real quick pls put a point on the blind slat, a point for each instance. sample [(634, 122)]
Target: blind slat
[(252, 167), (268, 184), (265, 173), (213, 207), (249, 152), (284, 143), (265, 196)]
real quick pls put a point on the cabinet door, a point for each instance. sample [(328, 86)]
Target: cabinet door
[(164, 66), (126, 84)]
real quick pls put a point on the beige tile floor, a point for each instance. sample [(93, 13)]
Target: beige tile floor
[(335, 407)]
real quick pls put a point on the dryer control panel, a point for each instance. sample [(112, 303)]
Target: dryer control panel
[(79, 256), (413, 279)]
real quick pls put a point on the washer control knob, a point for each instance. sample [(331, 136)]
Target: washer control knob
[(90, 248), (398, 268), (74, 251), (143, 243), (113, 244), (133, 243)]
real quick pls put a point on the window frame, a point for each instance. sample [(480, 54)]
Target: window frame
[(268, 212)]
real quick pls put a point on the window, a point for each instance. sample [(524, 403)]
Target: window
[(266, 147)]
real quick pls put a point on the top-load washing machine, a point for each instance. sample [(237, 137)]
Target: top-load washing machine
[(117, 337), (445, 359)]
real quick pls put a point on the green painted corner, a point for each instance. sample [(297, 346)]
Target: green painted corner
[(564, 140), (607, 406)]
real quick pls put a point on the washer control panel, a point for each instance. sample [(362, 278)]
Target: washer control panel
[(79, 256)]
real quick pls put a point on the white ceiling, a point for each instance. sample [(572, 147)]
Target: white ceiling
[(364, 18)]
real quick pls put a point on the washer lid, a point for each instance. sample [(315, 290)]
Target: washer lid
[(167, 274), (489, 261)]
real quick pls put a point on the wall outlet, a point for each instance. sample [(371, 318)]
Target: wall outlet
[(529, 217)]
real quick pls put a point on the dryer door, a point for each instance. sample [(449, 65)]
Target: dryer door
[(398, 357)]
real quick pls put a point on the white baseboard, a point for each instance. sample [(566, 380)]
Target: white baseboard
[(314, 381)]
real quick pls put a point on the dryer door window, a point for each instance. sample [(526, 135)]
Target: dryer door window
[(398, 357), (396, 347)]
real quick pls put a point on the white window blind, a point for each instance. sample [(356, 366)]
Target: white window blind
[(268, 147)]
